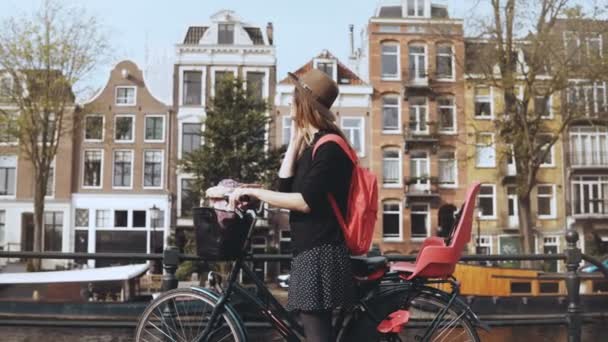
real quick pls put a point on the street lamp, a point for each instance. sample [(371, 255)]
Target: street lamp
[(154, 216)]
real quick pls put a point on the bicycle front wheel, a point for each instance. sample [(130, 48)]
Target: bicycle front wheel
[(425, 310), (181, 315)]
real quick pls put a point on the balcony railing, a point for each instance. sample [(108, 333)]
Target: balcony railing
[(595, 207), (423, 185), (589, 159), (421, 133)]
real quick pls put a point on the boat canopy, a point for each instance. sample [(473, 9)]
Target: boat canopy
[(114, 273)]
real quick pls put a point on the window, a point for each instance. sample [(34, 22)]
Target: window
[(159, 221), (139, 219), (121, 218), (417, 65), (391, 220), (192, 88), (53, 230), (155, 128), (551, 246), (594, 46), (286, 134), (418, 115), (483, 102), (420, 220), (391, 167), (125, 96), (542, 106), (447, 115), (589, 146), (546, 201), (391, 118), (123, 128), (50, 181), (485, 245), (188, 197), (390, 61), (544, 140), (487, 202), (2, 228), (123, 161), (445, 62), (419, 171), (415, 8), (8, 167), (191, 137), (93, 128), (220, 77), (82, 217), (447, 169), (590, 195), (512, 207), (354, 131), (326, 67), (572, 47), (255, 84), (225, 34), (153, 173), (588, 98), (485, 151), (92, 168), (102, 218)]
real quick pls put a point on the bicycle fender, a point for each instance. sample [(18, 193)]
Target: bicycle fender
[(395, 322), (459, 304), (227, 307)]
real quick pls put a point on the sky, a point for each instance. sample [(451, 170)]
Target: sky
[(146, 31)]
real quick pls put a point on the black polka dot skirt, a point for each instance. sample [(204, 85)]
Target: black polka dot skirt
[(321, 279)]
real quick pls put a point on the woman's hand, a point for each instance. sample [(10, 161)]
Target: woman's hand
[(236, 197)]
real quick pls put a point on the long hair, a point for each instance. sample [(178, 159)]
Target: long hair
[(307, 116)]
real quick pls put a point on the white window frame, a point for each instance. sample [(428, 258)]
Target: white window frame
[(360, 128), (550, 113), (425, 9), (76, 226), (234, 71), (552, 154), (553, 201), (84, 152), (578, 183), (493, 196), (512, 220), (103, 128), (428, 220), (399, 164), (334, 63), (181, 135), (489, 97), (162, 169), (398, 56), (586, 146), (265, 91), (11, 160), (130, 186), (417, 112), (478, 145), (599, 37), (129, 104), (425, 77), (399, 115), (400, 213), (110, 218), (203, 71), (284, 126), (485, 241), (179, 195), (163, 134), (455, 185), (116, 117), (129, 218), (417, 184), (452, 78), (454, 116)]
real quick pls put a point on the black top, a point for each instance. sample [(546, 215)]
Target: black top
[(329, 172)]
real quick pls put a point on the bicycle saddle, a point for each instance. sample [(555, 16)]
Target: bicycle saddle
[(367, 267)]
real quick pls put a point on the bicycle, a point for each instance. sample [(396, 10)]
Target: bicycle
[(391, 305)]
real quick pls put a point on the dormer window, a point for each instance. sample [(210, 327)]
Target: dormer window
[(328, 66), (416, 8), (125, 96), (225, 34)]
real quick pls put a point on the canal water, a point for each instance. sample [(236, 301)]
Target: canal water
[(592, 333)]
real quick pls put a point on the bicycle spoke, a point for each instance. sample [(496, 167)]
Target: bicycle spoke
[(164, 323), (449, 325), (179, 320)]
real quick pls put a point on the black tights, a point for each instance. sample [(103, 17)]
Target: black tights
[(317, 326)]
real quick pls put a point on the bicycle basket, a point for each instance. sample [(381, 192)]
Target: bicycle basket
[(220, 234)]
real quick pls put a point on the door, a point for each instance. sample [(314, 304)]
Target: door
[(419, 171)]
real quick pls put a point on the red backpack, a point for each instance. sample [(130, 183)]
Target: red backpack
[(362, 207)]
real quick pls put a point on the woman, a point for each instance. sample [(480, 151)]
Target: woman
[(321, 274)]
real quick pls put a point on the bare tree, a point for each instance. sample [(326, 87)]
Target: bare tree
[(46, 55), (521, 52)]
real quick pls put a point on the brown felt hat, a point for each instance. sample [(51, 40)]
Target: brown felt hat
[(320, 88)]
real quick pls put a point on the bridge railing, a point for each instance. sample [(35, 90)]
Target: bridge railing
[(171, 258)]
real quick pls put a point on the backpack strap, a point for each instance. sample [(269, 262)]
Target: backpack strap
[(353, 157)]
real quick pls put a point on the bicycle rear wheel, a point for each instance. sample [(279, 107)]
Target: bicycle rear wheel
[(454, 326), (181, 315)]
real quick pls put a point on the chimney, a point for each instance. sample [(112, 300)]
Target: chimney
[(270, 33), (351, 35)]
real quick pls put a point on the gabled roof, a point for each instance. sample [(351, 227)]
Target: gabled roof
[(345, 75), (194, 34)]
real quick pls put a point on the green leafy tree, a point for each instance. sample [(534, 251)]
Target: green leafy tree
[(234, 140)]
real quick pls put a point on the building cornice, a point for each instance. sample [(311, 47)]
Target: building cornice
[(429, 21), (230, 49)]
